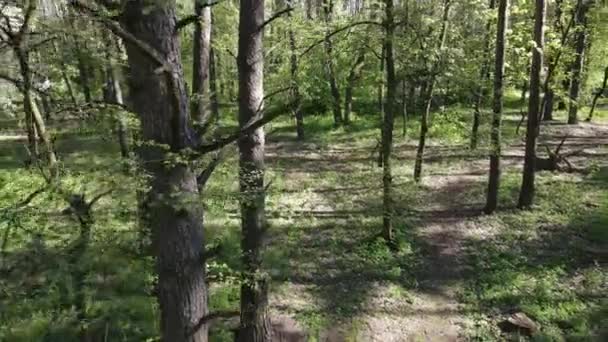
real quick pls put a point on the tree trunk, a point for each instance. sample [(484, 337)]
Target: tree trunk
[(255, 321), (578, 65), (526, 195), (404, 101), (497, 107), (112, 93), (295, 91), (548, 102), (353, 76), (36, 127), (331, 72), (64, 74), (381, 84), (174, 212), (387, 132), (483, 75), (200, 65), (598, 94), (424, 122), (213, 95)]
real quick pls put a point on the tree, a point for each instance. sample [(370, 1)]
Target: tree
[(174, 212), (389, 122), (20, 41), (600, 91), (200, 59), (499, 70), (255, 322), (295, 90), (484, 74), (328, 8), (428, 96), (578, 64), (526, 194)]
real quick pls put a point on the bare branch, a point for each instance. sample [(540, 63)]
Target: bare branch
[(342, 29), (211, 317), (208, 171), (191, 19), (254, 124), (275, 17), (27, 200)]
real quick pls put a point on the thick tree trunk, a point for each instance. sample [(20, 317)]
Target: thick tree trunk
[(295, 91), (330, 68), (353, 76), (174, 212), (200, 68), (598, 94), (255, 321), (483, 76), (424, 122), (497, 107), (526, 195), (387, 128), (578, 65)]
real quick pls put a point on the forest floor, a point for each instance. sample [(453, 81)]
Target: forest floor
[(419, 295), (456, 275)]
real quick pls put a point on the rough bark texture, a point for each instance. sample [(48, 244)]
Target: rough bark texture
[(389, 120), (578, 65), (173, 211), (526, 195), (200, 65), (353, 76), (481, 90), (497, 107), (424, 122), (255, 322), (331, 71)]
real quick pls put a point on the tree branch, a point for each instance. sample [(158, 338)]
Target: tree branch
[(211, 317), (122, 33), (274, 17), (191, 19), (254, 124), (331, 34)]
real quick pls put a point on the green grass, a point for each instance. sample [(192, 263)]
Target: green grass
[(324, 209)]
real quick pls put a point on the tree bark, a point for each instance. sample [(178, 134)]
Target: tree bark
[(548, 104), (331, 72), (213, 94), (526, 195), (483, 76), (578, 65), (424, 122), (497, 107), (173, 208), (353, 76), (200, 66), (255, 321), (387, 131)]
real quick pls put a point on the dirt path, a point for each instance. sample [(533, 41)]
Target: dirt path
[(448, 217)]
